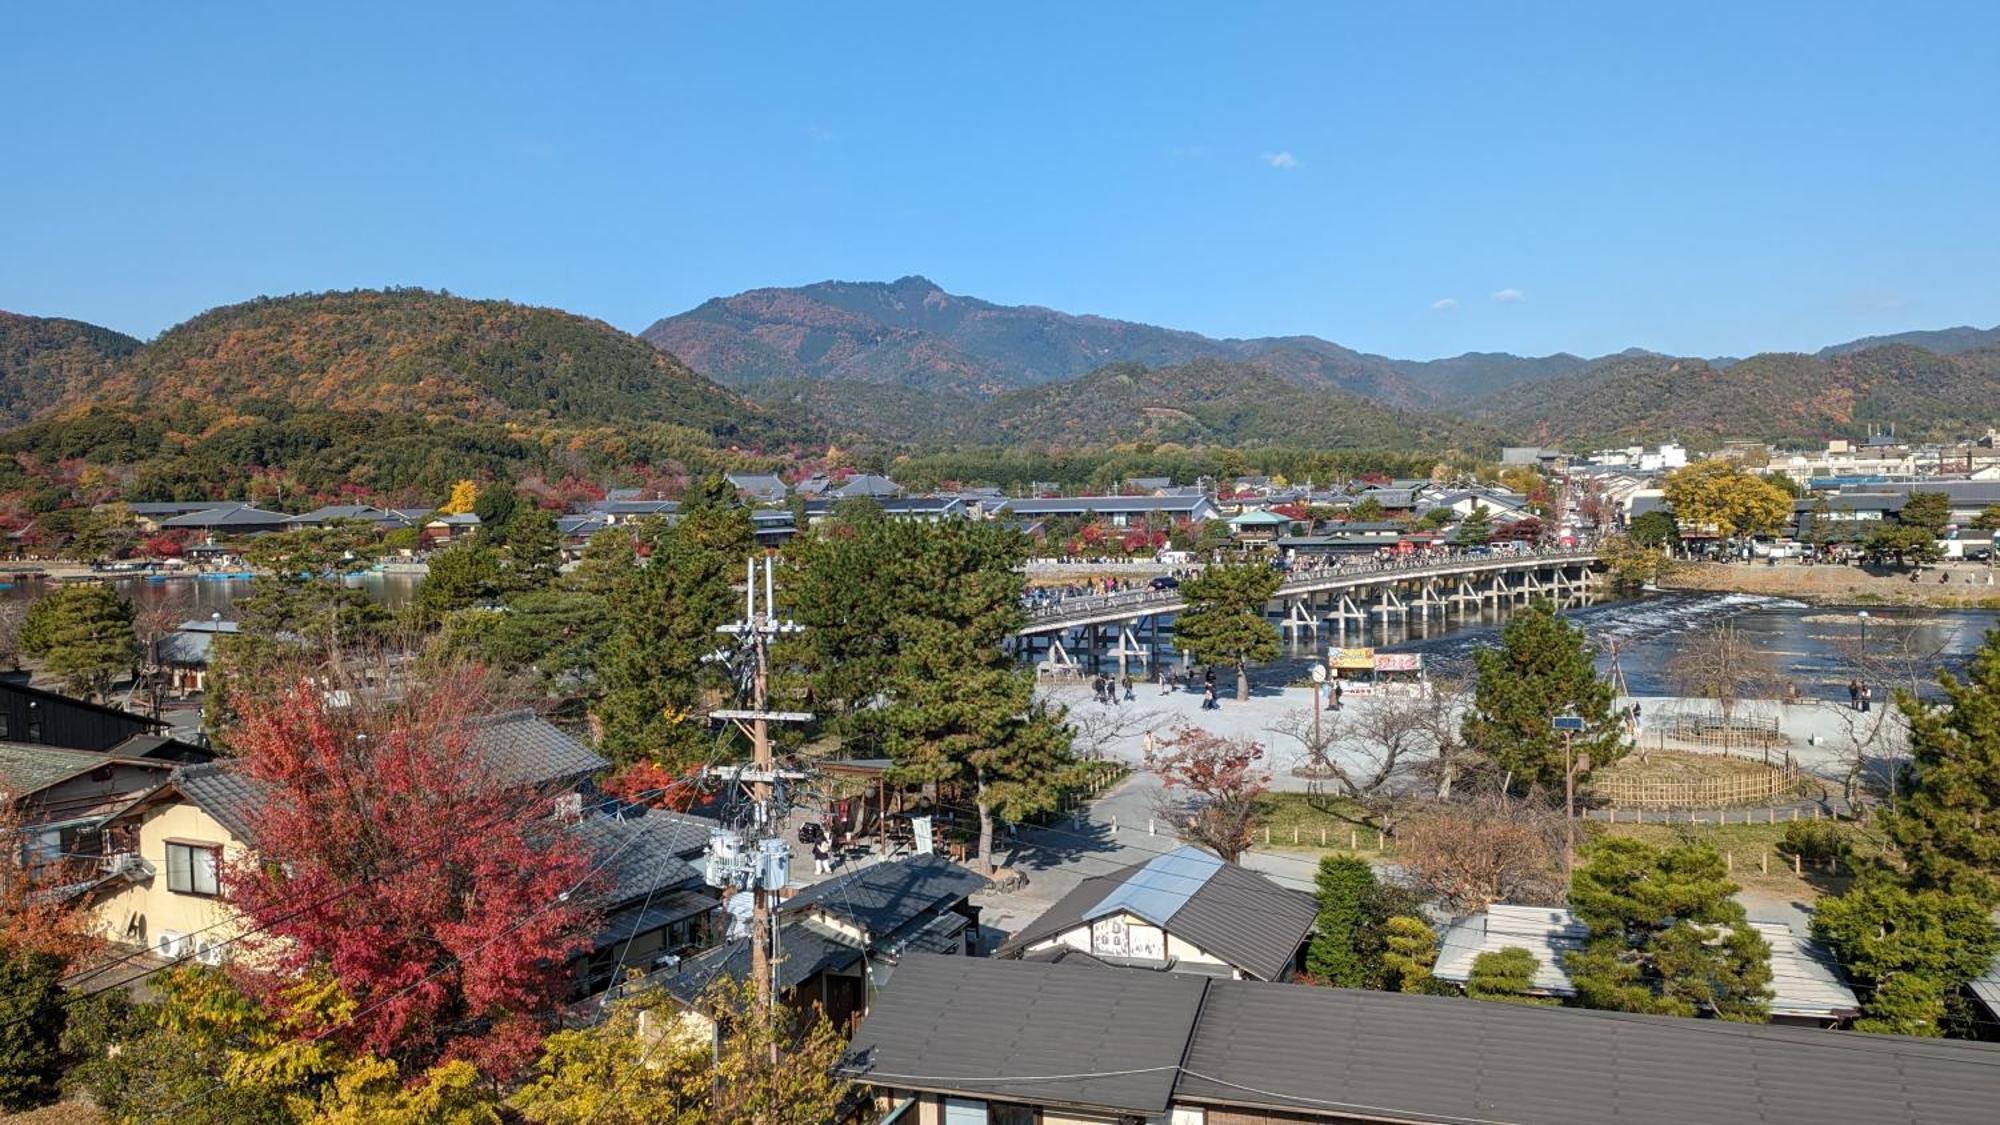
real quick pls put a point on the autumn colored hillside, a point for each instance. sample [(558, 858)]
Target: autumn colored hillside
[(46, 359)]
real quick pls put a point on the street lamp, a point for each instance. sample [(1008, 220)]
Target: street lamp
[(1570, 725)]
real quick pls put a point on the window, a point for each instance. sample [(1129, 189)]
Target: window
[(976, 1111), (997, 1114), (192, 868)]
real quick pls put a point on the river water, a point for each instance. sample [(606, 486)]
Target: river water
[(1811, 646)]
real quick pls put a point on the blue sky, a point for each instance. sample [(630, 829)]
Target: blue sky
[(1413, 179)]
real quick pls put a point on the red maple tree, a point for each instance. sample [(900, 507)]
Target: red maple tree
[(1212, 784), (389, 855)]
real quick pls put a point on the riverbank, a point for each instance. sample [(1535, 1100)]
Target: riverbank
[(1970, 586)]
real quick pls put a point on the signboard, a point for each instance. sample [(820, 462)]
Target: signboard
[(1571, 723), (1351, 659), (920, 826), (1318, 674), (1110, 938), (1399, 661)]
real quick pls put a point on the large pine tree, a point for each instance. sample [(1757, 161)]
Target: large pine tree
[(1542, 669), (1224, 622), (1948, 823)]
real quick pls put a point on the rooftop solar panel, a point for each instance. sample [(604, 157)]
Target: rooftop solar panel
[(1162, 887)]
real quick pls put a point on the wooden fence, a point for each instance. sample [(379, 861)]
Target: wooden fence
[(1764, 786)]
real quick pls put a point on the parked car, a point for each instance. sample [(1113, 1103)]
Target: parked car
[(1166, 582)]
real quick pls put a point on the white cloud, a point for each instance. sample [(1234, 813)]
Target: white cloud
[(1444, 304), (1510, 296), (1282, 161)]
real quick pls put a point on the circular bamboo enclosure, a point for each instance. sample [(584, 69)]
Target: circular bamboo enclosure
[(1672, 780), (1736, 732)]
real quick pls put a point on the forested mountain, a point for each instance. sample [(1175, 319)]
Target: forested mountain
[(391, 393), (419, 352), (911, 333), (1777, 396), (1943, 341), (1206, 402), (45, 359)]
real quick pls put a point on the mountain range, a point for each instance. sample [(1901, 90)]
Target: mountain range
[(907, 362)]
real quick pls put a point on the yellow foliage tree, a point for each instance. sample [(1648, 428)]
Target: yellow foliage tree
[(464, 494), (1718, 497), (652, 1062)]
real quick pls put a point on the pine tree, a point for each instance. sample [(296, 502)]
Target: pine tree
[(1344, 884), (1542, 669), (657, 689), (1505, 975), (1224, 620), (1911, 952), (31, 1026), (1947, 825), (960, 707), (1409, 949), (84, 638), (1476, 528), (1666, 934), (835, 589)]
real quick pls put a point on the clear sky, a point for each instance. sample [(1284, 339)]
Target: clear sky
[(1414, 179)]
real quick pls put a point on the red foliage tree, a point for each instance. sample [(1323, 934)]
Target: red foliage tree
[(649, 783), (166, 545), (391, 856), (1212, 785)]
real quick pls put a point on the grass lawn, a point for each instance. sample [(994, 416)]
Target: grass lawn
[(1295, 820)]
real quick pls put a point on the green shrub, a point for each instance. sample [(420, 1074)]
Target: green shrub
[(1815, 841)]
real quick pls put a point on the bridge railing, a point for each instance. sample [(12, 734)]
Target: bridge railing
[(1086, 605)]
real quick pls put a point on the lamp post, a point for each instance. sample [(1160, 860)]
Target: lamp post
[(1569, 725)]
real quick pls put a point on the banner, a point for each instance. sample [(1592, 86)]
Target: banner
[(1399, 661), (920, 827), (1352, 659)]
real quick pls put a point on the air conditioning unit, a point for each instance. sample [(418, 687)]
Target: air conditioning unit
[(171, 945), (208, 952)]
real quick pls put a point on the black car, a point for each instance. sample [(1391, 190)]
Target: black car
[(1166, 582)]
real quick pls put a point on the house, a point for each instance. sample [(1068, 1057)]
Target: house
[(384, 518), (844, 937), (1185, 911), (925, 509), (865, 484), (758, 488), (956, 1039), (235, 520), (629, 511), (1118, 511), (150, 514), (1845, 516), (62, 797), (1805, 981), (440, 530), (1259, 525), (47, 718), (165, 850), (772, 526), (185, 653)]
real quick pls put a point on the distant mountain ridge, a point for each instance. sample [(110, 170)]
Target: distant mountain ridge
[(44, 360)]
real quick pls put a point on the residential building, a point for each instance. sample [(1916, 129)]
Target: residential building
[(385, 518), (1118, 511), (185, 653), (62, 797), (235, 520), (630, 511), (1259, 525), (759, 488), (957, 1040), (1185, 911), (924, 509), (150, 514), (35, 715)]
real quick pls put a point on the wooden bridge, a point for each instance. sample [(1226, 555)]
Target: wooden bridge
[(1333, 596)]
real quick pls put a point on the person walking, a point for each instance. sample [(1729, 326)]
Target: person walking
[(1208, 702), (1854, 695), (1128, 688), (1338, 691), (1867, 696)]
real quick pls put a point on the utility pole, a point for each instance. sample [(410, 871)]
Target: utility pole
[(762, 864), (1568, 725)]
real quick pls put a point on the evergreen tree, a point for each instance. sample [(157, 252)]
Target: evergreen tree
[(656, 687), (1928, 511), (1666, 935), (960, 708), (1224, 621), (1947, 825), (467, 574), (300, 595), (1655, 529), (495, 507), (842, 588), (83, 636), (1506, 975), (534, 548), (31, 1026), (1409, 949), (1542, 669), (1911, 952), (1344, 884), (1476, 528)]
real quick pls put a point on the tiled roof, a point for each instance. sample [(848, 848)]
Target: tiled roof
[(1080, 504), (882, 898), (1014, 1029), (224, 793), (639, 853), (807, 950), (526, 749), (26, 767), (241, 515), (1225, 910)]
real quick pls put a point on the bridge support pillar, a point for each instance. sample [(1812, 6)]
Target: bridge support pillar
[(1130, 648), (1299, 618)]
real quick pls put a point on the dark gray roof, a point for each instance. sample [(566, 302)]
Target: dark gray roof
[(807, 950), (1380, 1055), (26, 767), (1014, 1029), (882, 898), (176, 507), (346, 512), (1077, 505), (1003, 1028), (768, 487), (1225, 910), (640, 856), (526, 749), (240, 515), (637, 507)]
